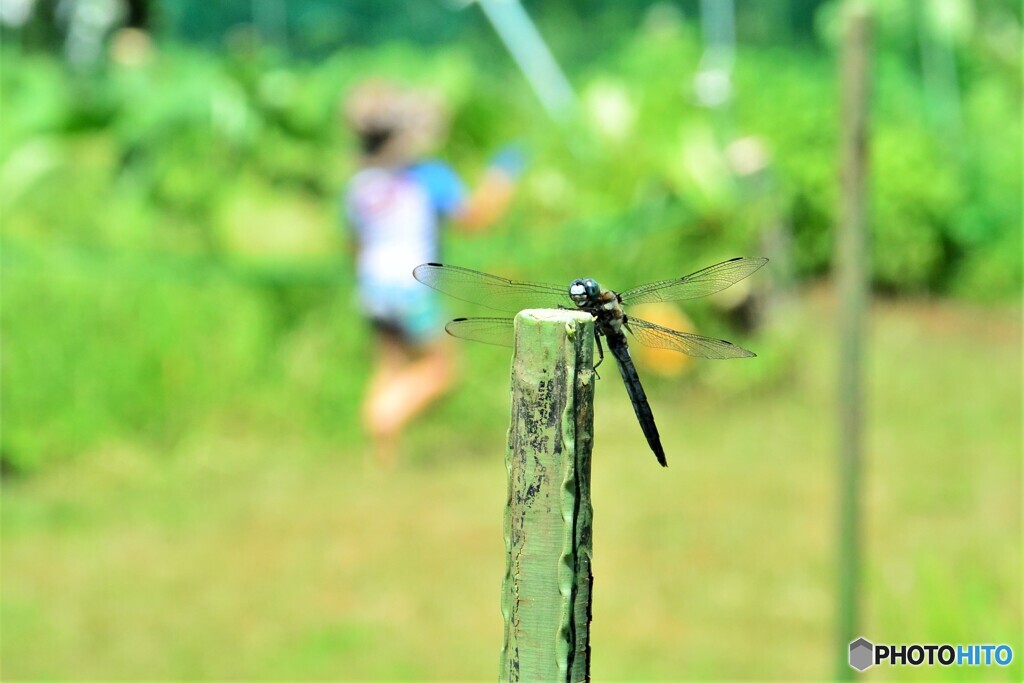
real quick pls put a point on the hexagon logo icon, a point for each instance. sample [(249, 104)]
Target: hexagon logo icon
[(862, 654)]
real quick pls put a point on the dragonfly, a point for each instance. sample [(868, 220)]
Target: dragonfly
[(611, 322)]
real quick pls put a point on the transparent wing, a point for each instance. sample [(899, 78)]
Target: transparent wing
[(491, 291), (660, 337), (702, 283), (497, 331)]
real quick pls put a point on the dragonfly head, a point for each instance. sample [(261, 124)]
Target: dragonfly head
[(584, 292)]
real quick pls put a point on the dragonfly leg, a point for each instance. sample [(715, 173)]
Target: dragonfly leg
[(600, 354)]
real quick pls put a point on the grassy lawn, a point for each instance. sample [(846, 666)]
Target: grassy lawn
[(253, 553)]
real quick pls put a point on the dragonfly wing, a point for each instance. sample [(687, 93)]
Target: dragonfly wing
[(660, 337), (702, 283), (497, 331), (491, 291)]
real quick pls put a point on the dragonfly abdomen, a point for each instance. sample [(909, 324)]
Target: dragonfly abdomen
[(620, 349)]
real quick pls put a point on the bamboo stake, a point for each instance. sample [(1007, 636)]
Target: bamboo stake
[(547, 588), (851, 263)]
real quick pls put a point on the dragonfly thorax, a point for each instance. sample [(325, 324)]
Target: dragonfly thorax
[(584, 292)]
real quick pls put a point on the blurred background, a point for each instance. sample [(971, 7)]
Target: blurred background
[(187, 490)]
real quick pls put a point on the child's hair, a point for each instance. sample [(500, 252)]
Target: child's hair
[(394, 124), (372, 140)]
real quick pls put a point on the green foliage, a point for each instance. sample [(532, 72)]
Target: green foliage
[(171, 238), (120, 350)]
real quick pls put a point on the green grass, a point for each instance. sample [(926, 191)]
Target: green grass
[(254, 552)]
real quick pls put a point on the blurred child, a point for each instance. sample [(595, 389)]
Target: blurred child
[(395, 204)]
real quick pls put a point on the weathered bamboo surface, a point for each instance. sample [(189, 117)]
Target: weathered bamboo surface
[(547, 588)]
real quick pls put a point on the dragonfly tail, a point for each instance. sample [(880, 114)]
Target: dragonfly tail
[(619, 348)]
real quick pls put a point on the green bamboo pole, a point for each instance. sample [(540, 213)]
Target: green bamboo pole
[(851, 265), (547, 588)]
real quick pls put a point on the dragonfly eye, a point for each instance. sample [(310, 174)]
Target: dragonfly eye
[(584, 292), (578, 292)]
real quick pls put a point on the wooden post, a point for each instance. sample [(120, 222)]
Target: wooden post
[(851, 264), (547, 588)]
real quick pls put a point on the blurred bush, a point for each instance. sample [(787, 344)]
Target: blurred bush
[(171, 238)]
